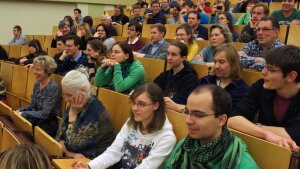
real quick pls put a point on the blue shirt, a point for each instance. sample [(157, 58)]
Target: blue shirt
[(204, 18)]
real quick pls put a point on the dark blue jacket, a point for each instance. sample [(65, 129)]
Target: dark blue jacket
[(69, 63)]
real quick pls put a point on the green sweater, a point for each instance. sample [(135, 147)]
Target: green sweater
[(247, 161), (278, 14), (135, 78)]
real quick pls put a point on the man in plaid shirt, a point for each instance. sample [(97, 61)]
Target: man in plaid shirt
[(252, 55)]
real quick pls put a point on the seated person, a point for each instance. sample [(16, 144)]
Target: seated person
[(64, 30), (158, 46), (72, 57), (35, 50), (252, 54), (19, 38), (225, 19), (276, 98), (219, 35), (288, 14), (200, 32), (209, 143), (121, 72), (86, 129), (164, 9), (25, 156), (220, 6), (134, 31), (142, 3), (61, 47), (184, 33), (227, 72), (106, 21), (178, 82), (246, 17), (119, 17), (154, 16), (45, 99), (96, 52), (89, 20), (84, 32), (77, 18), (175, 17), (188, 7), (145, 140), (73, 23), (136, 9), (103, 34)]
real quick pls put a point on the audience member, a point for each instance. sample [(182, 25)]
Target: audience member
[(209, 143), (61, 46), (155, 16), (142, 3), (45, 99), (219, 35), (220, 6), (246, 17), (164, 9), (3, 54), (248, 33), (103, 34), (252, 54), (200, 32), (72, 57), (119, 17), (145, 140), (158, 47), (121, 72), (134, 31), (242, 6), (64, 30), (175, 17), (288, 14), (106, 21), (136, 10), (184, 33), (73, 26), (25, 156), (189, 6), (86, 129), (19, 38), (89, 20), (84, 32), (96, 52), (227, 72), (77, 17), (276, 98), (179, 81), (225, 19)]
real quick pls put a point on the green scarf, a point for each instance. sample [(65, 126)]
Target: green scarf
[(226, 148)]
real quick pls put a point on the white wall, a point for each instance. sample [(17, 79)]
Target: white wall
[(34, 17)]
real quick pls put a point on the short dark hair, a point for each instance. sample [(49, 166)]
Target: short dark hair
[(188, 31), (275, 24), (190, 4), (121, 8), (138, 27), (61, 38), (266, 9), (108, 34), (287, 58), (194, 12), (126, 48), (18, 27), (177, 6), (156, 96), (63, 23), (78, 10), (182, 47), (135, 7), (75, 38), (154, 2), (221, 100), (160, 27), (88, 20)]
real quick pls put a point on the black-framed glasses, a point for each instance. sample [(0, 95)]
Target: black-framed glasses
[(270, 69), (196, 114)]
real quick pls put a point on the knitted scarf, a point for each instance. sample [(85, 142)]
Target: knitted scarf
[(193, 155), (125, 68)]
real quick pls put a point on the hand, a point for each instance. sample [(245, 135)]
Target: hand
[(59, 33), (295, 22), (259, 59), (22, 60), (199, 57), (78, 100), (170, 104), (281, 141), (29, 66), (97, 35), (79, 165), (242, 53), (108, 63), (63, 55)]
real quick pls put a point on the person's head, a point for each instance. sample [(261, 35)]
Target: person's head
[(17, 30), (69, 19), (225, 18), (193, 18), (184, 33), (88, 20), (134, 30), (43, 67), (119, 10), (105, 20), (282, 67), (227, 62), (72, 45), (158, 32), (155, 7), (251, 4), (76, 83), (95, 49), (188, 6), (206, 112), (64, 27), (121, 52), (148, 107), (34, 46), (25, 156), (60, 43), (165, 4), (220, 6), (175, 9), (177, 53), (267, 31), (136, 9), (103, 31), (84, 30), (288, 5), (258, 11), (219, 34), (77, 13)]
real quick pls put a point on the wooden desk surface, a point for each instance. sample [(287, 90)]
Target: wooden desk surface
[(66, 163)]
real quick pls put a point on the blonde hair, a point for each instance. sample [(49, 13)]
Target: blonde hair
[(224, 30), (86, 27), (25, 156), (77, 79), (46, 62)]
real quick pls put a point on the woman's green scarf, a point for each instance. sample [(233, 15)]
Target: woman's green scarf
[(193, 155)]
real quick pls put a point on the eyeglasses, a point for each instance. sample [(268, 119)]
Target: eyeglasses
[(269, 69), (140, 104), (181, 34), (263, 29), (196, 114)]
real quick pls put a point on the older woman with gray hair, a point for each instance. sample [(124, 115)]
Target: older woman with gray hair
[(86, 129), (46, 96)]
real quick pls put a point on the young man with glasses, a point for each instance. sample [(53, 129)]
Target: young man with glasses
[(276, 98), (209, 143), (252, 54), (134, 31), (288, 14)]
